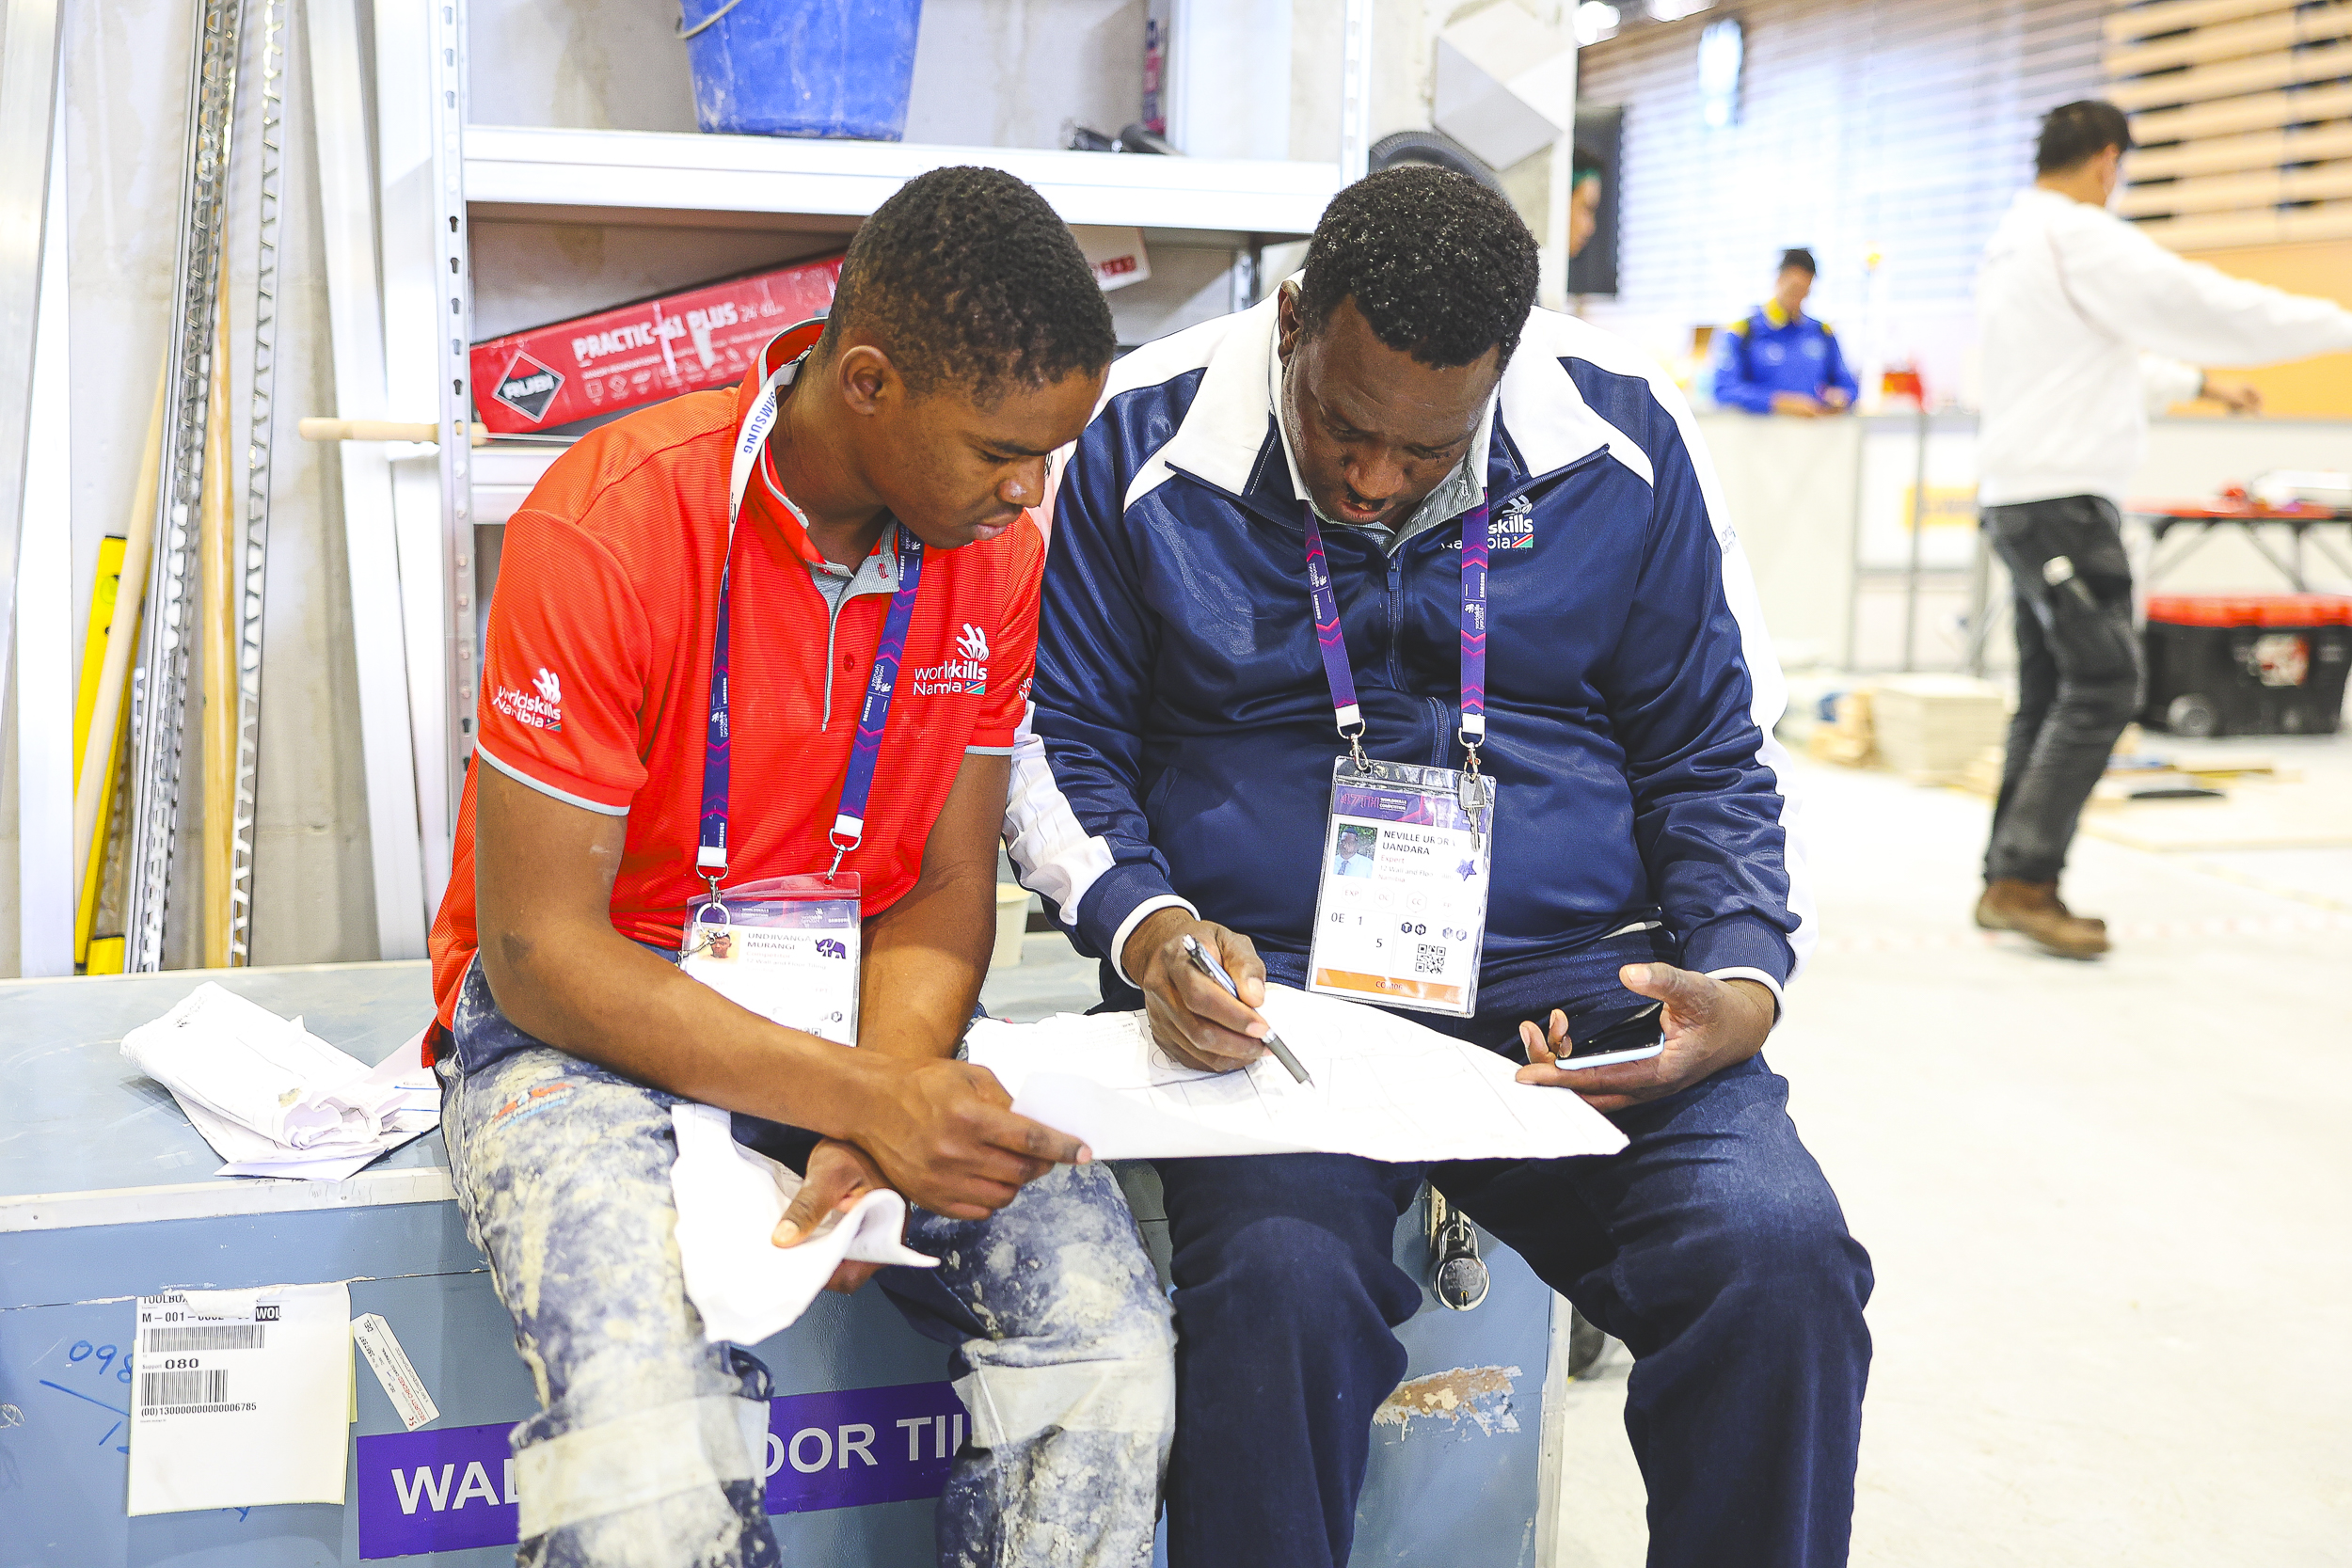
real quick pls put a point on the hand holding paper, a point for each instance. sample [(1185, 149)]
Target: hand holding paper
[(730, 1200), (1384, 1087)]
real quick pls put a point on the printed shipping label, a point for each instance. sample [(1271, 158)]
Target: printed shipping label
[(635, 355), (453, 1489), (240, 1397)]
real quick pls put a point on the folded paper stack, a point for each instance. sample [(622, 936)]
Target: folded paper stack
[(273, 1098)]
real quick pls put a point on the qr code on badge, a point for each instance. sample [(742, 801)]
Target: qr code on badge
[(1429, 958)]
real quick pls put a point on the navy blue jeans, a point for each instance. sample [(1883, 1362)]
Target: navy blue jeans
[(1712, 1246)]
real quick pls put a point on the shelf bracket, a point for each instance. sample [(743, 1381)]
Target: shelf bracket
[(453, 280), (170, 620)]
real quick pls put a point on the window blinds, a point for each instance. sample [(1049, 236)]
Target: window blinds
[(2243, 110), (1902, 127)]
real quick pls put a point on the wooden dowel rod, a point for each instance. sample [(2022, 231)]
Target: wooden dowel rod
[(122, 636), (316, 429)]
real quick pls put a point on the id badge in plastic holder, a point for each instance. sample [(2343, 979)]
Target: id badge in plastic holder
[(1401, 912), (783, 947)]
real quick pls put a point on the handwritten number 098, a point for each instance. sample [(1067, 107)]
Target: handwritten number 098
[(103, 1355)]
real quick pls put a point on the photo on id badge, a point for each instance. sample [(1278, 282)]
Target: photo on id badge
[(1401, 908), (785, 947)]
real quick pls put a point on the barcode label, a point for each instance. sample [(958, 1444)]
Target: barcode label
[(172, 1341), (1429, 959), (160, 1389)]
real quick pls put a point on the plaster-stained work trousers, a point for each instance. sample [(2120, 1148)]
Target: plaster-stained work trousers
[(646, 1452)]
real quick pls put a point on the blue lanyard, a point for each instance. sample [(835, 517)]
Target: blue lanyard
[(849, 822), (1477, 541)]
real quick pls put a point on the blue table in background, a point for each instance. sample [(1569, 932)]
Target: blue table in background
[(107, 1194)]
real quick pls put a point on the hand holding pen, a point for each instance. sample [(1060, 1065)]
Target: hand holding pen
[(1205, 961), (1197, 1021)]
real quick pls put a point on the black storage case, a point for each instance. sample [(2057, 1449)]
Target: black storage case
[(2247, 664)]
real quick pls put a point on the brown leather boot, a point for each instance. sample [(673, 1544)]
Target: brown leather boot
[(2034, 912)]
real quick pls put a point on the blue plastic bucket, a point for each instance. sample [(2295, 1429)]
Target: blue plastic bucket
[(802, 67)]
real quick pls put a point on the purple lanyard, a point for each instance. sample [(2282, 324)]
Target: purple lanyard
[(849, 823), (1476, 542)]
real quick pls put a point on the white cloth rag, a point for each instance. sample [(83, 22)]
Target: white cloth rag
[(730, 1200)]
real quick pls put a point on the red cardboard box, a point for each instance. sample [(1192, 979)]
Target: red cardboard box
[(639, 354)]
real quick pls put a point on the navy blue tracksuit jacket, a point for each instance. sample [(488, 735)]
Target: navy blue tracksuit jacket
[(1182, 738)]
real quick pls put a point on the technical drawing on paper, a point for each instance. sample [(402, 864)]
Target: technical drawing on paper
[(1384, 1087)]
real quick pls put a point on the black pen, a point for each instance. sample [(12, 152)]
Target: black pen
[(1205, 961)]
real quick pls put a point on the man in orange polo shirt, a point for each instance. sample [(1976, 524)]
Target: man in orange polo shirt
[(787, 632)]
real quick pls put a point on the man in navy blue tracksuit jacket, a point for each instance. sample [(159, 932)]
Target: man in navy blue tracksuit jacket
[(1176, 782)]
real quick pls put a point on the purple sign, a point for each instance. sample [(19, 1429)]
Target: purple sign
[(436, 1491), (448, 1490)]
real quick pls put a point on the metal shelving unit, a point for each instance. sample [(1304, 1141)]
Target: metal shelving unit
[(659, 180), (663, 178)]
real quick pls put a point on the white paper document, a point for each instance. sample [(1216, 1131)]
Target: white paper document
[(729, 1200), (241, 1398), (1385, 1087), (274, 1100)]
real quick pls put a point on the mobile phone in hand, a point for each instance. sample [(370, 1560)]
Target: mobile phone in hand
[(1633, 1038)]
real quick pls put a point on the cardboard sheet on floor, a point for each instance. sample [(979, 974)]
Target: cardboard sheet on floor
[(1385, 1087), (241, 1398)]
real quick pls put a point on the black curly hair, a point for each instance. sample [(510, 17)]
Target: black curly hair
[(1441, 267), (966, 278)]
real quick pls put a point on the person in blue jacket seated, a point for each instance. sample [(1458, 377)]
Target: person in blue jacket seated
[(1780, 360), (1395, 546)]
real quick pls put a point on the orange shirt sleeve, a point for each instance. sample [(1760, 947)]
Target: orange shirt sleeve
[(563, 676), (1016, 662)]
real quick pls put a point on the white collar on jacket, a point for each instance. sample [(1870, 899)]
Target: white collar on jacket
[(1223, 431)]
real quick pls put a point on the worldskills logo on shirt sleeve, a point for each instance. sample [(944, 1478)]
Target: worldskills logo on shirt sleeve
[(966, 673), (542, 707)]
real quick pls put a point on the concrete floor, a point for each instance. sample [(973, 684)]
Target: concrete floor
[(2107, 1202)]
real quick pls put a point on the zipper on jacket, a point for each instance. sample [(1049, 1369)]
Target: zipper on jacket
[(1396, 618), (1443, 718), (833, 624)]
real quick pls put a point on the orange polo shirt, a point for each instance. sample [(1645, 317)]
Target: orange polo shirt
[(596, 675)]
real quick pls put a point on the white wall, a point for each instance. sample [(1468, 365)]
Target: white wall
[(1804, 495)]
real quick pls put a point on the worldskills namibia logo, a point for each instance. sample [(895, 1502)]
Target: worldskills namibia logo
[(966, 673), (1513, 528), (541, 707)]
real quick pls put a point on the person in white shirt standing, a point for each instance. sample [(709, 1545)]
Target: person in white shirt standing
[(2073, 308)]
